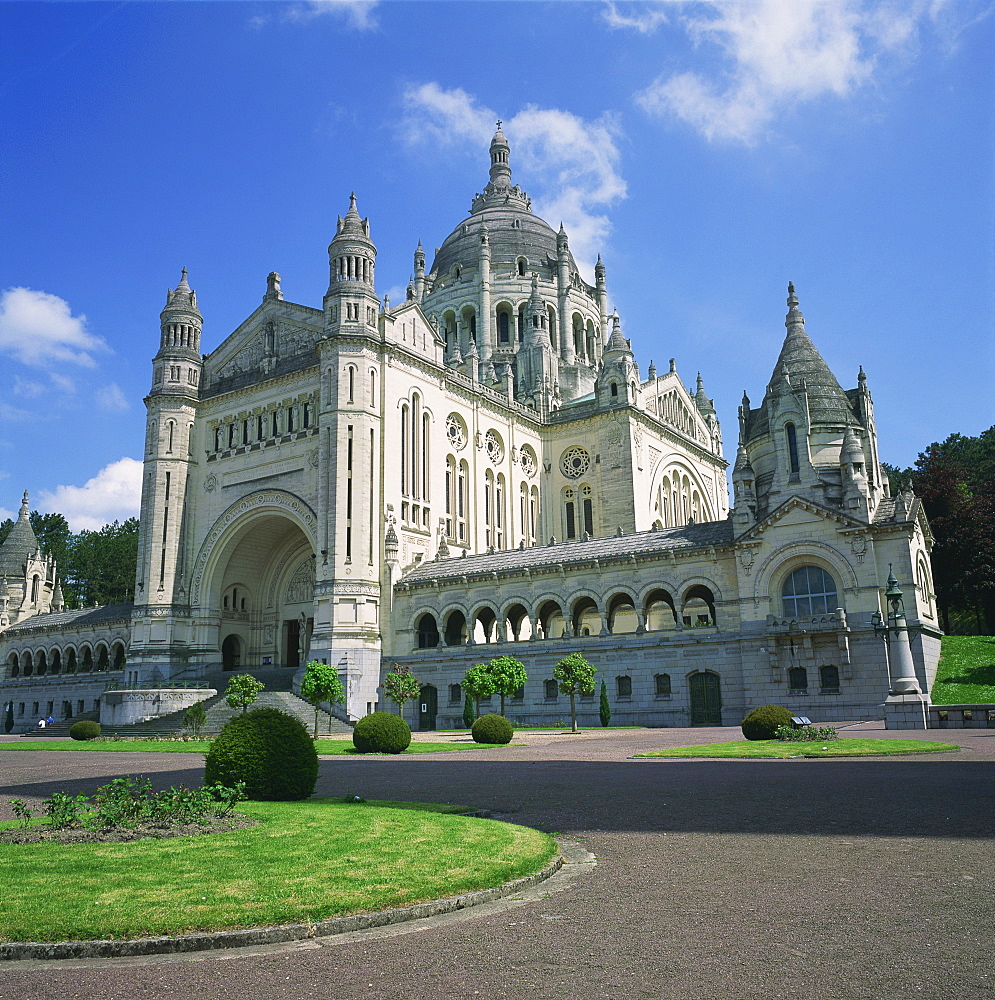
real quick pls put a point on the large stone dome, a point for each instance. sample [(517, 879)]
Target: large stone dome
[(512, 228)]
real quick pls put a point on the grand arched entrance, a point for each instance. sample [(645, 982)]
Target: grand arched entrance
[(258, 586)]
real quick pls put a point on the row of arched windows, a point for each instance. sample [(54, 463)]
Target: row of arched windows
[(262, 426), (551, 690), (582, 338), (584, 616), (86, 659)]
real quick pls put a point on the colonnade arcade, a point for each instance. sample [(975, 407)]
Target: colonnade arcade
[(67, 658), (621, 612), (580, 343)]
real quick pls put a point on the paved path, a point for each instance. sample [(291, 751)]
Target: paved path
[(725, 880)]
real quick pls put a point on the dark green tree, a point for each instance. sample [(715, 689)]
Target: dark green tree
[(469, 716), (604, 708), (507, 676), (8, 720), (575, 676), (320, 683), (102, 564)]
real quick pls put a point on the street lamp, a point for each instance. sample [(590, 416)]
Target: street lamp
[(896, 636)]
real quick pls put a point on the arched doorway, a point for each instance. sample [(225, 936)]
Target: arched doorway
[(706, 699), (259, 586), (231, 653), (428, 707)]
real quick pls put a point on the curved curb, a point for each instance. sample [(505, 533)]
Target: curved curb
[(211, 941)]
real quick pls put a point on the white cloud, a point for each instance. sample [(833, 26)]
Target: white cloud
[(27, 388), (571, 164), (777, 54), (110, 397), (7, 515), (644, 18), (358, 14), (113, 494), (38, 328)]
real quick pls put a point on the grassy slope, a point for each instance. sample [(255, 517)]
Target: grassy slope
[(775, 748), (966, 674), (305, 861)]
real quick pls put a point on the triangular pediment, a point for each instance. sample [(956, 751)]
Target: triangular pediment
[(797, 511)]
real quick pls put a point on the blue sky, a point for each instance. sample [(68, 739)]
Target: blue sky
[(711, 152)]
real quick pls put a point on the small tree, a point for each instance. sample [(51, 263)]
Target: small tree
[(576, 676), (242, 691), (195, 717), (469, 716), (401, 685), (478, 683), (8, 722), (320, 683), (507, 675), (604, 708)]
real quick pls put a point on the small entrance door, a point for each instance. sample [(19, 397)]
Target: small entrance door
[(231, 653), (428, 706), (706, 699), (292, 654)]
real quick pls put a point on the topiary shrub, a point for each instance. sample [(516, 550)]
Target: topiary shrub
[(381, 732), (762, 723), (85, 729), (270, 751), (492, 729)]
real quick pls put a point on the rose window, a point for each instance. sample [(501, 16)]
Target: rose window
[(456, 431), (575, 462), (495, 449)]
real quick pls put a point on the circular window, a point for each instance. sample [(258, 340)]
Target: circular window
[(528, 460), (575, 462), (456, 431), (494, 446)]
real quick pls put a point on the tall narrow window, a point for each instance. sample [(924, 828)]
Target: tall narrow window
[(169, 439), (404, 449), (504, 334), (415, 444), (352, 383), (259, 427), (276, 426), (245, 431), (450, 496), (290, 420), (462, 501), (348, 496), (533, 515), (307, 415), (499, 512), (588, 510), (570, 521), (373, 387), (792, 448), (488, 508), (424, 456)]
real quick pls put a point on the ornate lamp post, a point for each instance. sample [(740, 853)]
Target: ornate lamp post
[(905, 707)]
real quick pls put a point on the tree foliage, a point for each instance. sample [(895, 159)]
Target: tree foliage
[(575, 676), (400, 685), (242, 691), (478, 683), (321, 682), (507, 675), (955, 480)]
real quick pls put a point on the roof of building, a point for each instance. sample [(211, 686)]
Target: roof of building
[(79, 618), (512, 230), (800, 364), (689, 536), (19, 545)]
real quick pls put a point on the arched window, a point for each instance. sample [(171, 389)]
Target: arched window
[(623, 686), (663, 689), (488, 508), (807, 592), (798, 679), (499, 492), (521, 267), (428, 632), (587, 498), (551, 690), (789, 430), (569, 514), (373, 387), (450, 497), (829, 678), (504, 328), (462, 503), (404, 450), (455, 694)]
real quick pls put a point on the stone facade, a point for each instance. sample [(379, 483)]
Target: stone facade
[(484, 464)]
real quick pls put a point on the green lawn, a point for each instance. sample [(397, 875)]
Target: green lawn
[(775, 748), (305, 861), (327, 747), (966, 675)]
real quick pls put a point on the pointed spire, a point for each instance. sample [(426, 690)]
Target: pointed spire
[(183, 281), (617, 341), (182, 296), (651, 371), (25, 512), (701, 399)]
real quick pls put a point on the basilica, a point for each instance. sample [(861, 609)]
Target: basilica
[(481, 470)]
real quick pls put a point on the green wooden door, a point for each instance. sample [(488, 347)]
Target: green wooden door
[(428, 706), (706, 700)]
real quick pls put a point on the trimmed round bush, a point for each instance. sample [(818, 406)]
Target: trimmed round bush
[(762, 723), (270, 751), (492, 729), (85, 729), (381, 732)]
